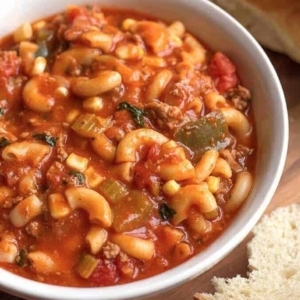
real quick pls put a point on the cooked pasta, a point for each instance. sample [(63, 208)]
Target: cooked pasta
[(122, 153)]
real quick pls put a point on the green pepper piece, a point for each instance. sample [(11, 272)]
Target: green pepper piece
[(132, 212), (42, 50), (45, 38), (208, 132)]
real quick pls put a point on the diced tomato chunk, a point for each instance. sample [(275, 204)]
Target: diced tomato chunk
[(221, 65), (9, 64), (153, 153), (226, 82), (143, 177), (223, 71), (106, 273)]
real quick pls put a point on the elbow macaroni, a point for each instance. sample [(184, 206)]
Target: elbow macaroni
[(92, 202), (96, 237), (134, 246), (25, 211), (90, 87), (30, 152), (240, 191), (192, 195), (34, 98), (128, 146)]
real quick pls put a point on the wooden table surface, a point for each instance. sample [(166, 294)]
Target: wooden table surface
[(288, 190)]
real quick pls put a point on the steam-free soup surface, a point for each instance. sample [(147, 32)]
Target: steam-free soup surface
[(126, 147)]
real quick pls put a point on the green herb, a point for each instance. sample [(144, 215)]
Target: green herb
[(4, 142), (21, 259), (136, 113), (48, 139), (166, 212), (1, 111), (79, 176)]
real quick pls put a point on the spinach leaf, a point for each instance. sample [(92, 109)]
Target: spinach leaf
[(166, 212), (136, 113), (79, 177), (48, 139), (4, 142), (21, 259)]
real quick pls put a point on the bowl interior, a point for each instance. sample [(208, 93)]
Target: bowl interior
[(219, 32)]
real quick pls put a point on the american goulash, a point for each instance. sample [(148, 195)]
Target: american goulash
[(126, 147)]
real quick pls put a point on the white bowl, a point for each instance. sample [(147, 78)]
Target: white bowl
[(219, 32)]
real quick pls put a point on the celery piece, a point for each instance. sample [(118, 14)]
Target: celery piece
[(87, 265), (90, 125), (113, 190)]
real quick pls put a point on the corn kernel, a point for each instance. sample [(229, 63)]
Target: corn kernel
[(62, 91), (128, 24), (171, 187), (39, 66), (93, 104)]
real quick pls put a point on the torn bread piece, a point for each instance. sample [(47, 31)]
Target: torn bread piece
[(274, 23), (274, 260)]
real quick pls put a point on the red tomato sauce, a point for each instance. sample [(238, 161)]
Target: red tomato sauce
[(78, 205)]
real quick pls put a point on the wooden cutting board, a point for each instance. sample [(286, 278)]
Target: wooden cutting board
[(287, 192)]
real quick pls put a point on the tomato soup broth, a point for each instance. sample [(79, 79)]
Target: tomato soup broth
[(126, 147)]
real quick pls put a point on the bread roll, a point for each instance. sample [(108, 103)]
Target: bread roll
[(274, 23), (274, 260)]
